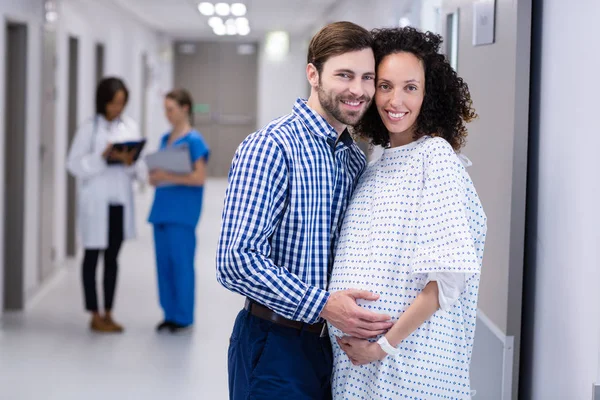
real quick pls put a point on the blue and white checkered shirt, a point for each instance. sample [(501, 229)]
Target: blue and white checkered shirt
[(289, 186)]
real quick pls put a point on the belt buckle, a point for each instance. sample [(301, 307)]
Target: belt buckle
[(324, 330)]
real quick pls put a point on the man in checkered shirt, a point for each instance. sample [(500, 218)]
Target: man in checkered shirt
[(289, 185)]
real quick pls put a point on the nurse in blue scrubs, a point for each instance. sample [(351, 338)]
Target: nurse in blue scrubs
[(175, 214)]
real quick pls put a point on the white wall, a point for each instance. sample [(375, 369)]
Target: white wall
[(29, 12), (281, 81), (567, 300), (124, 39)]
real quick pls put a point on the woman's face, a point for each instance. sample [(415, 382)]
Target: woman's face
[(399, 94), (174, 112), (115, 107)]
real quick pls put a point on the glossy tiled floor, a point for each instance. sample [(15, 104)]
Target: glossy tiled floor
[(49, 353)]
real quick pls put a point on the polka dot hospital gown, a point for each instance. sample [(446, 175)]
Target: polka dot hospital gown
[(414, 217)]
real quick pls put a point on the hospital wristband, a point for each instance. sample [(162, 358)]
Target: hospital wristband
[(387, 347)]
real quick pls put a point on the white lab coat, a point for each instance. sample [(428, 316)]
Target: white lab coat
[(95, 181)]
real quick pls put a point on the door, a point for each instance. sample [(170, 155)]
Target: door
[(71, 129), (48, 107), (225, 93), (99, 68), (144, 95), (14, 168)]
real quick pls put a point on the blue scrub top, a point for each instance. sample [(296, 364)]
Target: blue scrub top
[(180, 204)]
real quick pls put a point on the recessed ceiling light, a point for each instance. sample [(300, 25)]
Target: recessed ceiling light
[(242, 21), (277, 45), (220, 30), (404, 22), (207, 9), (231, 29), (215, 21), (243, 30), (238, 9), (222, 9)]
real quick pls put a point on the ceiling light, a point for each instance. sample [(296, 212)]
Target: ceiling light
[(242, 22), (238, 9), (222, 9), (243, 30), (231, 29), (246, 49), (220, 30), (207, 9), (213, 22), (51, 16), (404, 22), (277, 45)]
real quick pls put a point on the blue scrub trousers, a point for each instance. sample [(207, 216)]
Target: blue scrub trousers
[(175, 250)]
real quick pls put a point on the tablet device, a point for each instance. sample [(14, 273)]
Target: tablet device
[(136, 146)]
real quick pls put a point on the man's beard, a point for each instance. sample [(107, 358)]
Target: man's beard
[(332, 105)]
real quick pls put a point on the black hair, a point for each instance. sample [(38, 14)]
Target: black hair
[(447, 104), (106, 91)]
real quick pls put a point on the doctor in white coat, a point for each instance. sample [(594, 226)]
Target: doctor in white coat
[(105, 206)]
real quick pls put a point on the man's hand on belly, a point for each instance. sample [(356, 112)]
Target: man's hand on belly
[(342, 312)]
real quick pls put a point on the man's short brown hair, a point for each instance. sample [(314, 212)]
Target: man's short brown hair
[(335, 39)]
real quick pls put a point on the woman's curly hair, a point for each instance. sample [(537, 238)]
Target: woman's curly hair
[(447, 104)]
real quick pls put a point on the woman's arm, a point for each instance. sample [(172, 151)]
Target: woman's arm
[(83, 160), (425, 305)]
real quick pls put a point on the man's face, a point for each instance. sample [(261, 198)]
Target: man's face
[(347, 85)]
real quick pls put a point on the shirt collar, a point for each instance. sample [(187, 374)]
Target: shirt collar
[(165, 137), (101, 119), (315, 123)]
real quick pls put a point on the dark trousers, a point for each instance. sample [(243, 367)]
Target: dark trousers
[(90, 261), (269, 361)]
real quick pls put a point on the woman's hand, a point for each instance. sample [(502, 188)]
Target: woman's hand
[(107, 151), (125, 156), (361, 351), (157, 176)]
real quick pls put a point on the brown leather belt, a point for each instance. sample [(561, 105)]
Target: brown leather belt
[(263, 312)]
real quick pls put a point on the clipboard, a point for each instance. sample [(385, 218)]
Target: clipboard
[(176, 160)]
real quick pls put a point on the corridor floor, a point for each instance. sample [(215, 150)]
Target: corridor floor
[(48, 352)]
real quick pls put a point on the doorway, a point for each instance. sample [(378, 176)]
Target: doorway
[(99, 72), (14, 168), (224, 93), (71, 129), (48, 109)]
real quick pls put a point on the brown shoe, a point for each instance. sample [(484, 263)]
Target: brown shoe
[(98, 324), (112, 324)]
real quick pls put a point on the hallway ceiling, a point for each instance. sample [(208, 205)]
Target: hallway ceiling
[(182, 20)]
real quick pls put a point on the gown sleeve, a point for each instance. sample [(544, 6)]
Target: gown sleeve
[(445, 250)]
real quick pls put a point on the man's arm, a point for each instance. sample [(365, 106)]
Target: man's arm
[(254, 204)]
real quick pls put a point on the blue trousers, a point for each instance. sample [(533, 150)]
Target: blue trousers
[(175, 246), (268, 361)]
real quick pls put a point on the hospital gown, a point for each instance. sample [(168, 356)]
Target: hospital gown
[(414, 217)]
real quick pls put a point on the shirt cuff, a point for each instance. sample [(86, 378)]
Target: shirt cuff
[(94, 163), (450, 286), (311, 305)]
